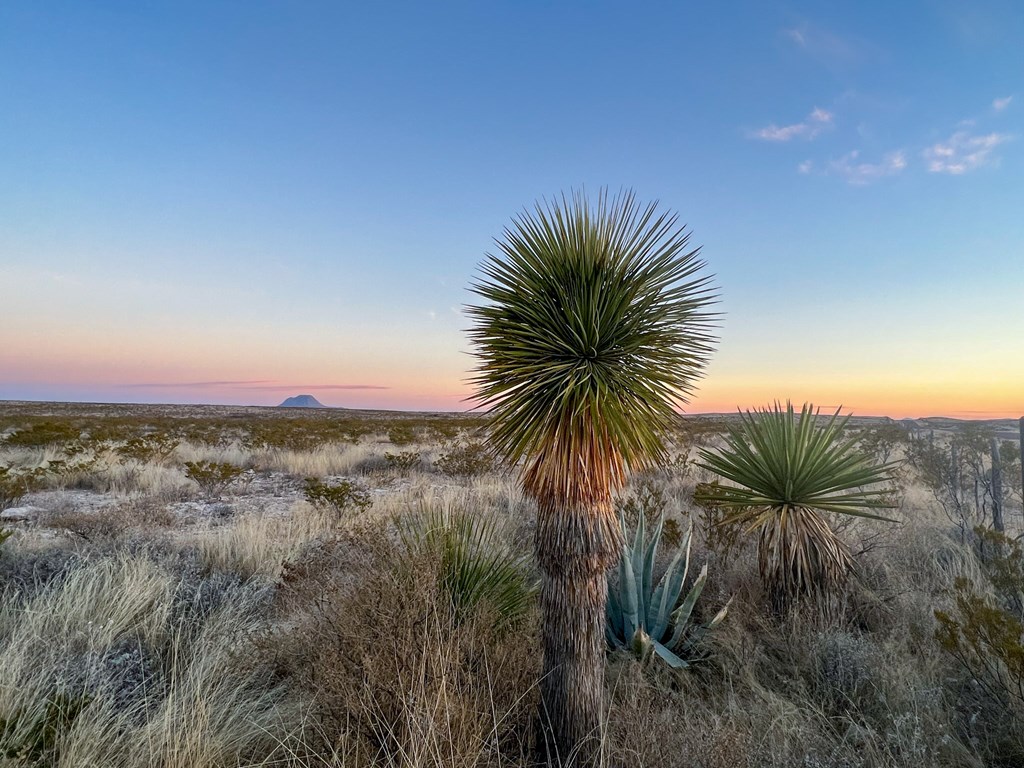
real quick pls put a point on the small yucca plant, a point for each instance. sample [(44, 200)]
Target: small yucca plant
[(787, 472), (476, 564), (649, 619)]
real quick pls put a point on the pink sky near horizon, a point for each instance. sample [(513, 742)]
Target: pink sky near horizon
[(73, 353), (443, 396)]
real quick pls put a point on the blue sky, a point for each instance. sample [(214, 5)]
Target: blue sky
[(223, 202)]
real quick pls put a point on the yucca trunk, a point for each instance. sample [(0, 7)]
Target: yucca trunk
[(799, 555), (575, 548)]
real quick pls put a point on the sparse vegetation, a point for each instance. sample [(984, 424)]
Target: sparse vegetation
[(403, 461), (144, 624)]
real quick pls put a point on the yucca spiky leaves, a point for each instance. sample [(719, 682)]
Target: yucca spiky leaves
[(594, 327), (650, 619), (785, 471), (476, 563)]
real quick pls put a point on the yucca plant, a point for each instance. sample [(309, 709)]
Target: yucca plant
[(648, 619), (787, 473), (476, 563), (594, 327)]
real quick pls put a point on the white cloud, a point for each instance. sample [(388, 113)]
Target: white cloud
[(962, 152), (805, 167), (816, 122), (859, 173), (1000, 104), (796, 36)]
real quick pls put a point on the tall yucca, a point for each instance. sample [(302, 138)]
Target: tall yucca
[(594, 326), (787, 471)]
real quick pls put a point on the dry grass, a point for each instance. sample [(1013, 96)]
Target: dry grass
[(132, 664), (259, 544)]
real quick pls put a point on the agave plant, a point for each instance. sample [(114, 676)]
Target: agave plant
[(649, 619), (787, 473), (476, 564)]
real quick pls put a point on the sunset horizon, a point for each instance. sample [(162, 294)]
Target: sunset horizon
[(207, 206)]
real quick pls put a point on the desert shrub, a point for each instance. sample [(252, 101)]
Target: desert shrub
[(844, 667), (212, 477), (105, 525), (154, 448), (15, 484), (397, 679), (475, 563), (401, 434), (44, 433), (983, 632), (465, 459), (340, 498), (987, 641), (647, 498), (403, 461), (26, 572), (95, 526), (721, 533)]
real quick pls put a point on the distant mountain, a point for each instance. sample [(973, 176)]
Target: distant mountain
[(302, 401)]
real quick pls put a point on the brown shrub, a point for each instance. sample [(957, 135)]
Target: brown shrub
[(393, 676)]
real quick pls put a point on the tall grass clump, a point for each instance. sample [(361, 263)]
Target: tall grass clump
[(399, 673), (126, 662)]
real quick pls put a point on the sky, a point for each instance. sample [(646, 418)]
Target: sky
[(205, 202)]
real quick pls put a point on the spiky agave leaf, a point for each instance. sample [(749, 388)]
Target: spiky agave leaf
[(786, 471), (649, 619), (595, 326)]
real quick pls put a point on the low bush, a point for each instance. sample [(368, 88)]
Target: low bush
[(403, 461), (401, 434), (340, 498), (155, 448), (15, 484), (984, 634), (212, 477), (465, 459), (45, 433)]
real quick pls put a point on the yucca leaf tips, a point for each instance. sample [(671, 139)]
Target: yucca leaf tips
[(594, 327)]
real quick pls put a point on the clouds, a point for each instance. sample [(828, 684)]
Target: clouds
[(830, 49), (966, 150), (962, 152), (859, 173), (810, 128)]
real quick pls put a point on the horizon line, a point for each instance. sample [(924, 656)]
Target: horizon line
[(470, 411)]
